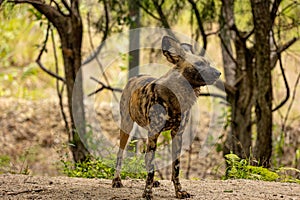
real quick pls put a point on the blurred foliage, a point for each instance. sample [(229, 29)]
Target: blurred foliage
[(133, 167), (242, 10), (288, 20), (22, 29), (20, 36), (209, 10), (241, 169)]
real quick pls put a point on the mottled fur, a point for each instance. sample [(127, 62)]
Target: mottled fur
[(163, 104)]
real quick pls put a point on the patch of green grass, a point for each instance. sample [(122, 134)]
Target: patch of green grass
[(133, 167), (241, 169), (4, 163), (285, 174), (88, 169), (6, 166)]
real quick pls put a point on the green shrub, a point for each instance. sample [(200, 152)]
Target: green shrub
[(241, 169), (133, 167)]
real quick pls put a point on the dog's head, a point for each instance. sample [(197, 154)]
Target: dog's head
[(196, 69)]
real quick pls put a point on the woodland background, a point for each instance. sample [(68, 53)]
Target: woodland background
[(43, 44)]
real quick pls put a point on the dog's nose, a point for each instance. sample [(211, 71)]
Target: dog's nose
[(217, 73)]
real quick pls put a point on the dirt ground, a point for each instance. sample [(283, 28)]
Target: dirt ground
[(38, 187)]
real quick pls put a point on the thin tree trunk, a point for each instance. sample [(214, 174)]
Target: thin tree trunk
[(71, 46), (227, 20), (70, 29), (238, 73), (243, 101), (263, 106), (134, 39), (134, 54)]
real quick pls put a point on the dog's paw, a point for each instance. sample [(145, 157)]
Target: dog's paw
[(156, 184), (116, 183), (182, 195), (148, 195)]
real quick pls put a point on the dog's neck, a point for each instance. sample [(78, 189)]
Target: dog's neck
[(185, 93)]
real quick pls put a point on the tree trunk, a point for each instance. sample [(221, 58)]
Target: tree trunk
[(134, 39), (263, 106), (69, 28), (242, 103), (238, 74), (71, 46), (71, 40), (227, 20), (134, 55)]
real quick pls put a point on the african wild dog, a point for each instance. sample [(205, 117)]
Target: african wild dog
[(163, 104)]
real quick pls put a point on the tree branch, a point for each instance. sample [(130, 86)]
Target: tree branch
[(65, 3), (105, 34), (230, 90), (280, 49), (60, 90), (216, 32), (147, 11), (96, 57), (291, 104), (249, 34), (227, 50), (159, 10), (103, 86), (26, 1), (278, 52), (200, 25), (274, 10), (287, 45), (237, 32), (286, 86), (51, 13), (58, 8), (38, 60)]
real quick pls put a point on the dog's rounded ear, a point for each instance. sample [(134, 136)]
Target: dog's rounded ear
[(172, 49), (187, 47)]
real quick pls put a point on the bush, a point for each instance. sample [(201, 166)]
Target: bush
[(241, 169), (133, 167)]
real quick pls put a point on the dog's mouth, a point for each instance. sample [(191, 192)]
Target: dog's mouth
[(211, 82), (205, 82)]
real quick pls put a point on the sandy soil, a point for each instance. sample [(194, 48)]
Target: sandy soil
[(38, 187)]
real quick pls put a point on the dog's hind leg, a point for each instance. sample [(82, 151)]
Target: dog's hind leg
[(123, 141), (126, 127), (149, 160), (176, 151)]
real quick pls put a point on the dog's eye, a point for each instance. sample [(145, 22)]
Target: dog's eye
[(198, 63)]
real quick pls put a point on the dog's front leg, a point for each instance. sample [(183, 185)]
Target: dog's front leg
[(149, 161), (176, 151)]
